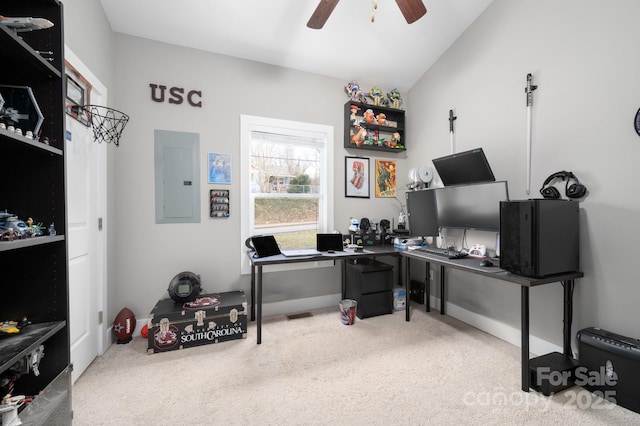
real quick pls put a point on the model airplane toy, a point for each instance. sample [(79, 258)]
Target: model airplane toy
[(20, 25)]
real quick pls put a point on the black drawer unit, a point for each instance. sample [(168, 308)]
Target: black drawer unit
[(370, 282)]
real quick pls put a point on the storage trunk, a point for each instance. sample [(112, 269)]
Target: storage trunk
[(211, 318)]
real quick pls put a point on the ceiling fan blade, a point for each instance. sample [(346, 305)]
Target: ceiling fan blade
[(412, 10), (321, 14)]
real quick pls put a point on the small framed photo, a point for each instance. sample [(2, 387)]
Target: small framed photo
[(385, 179), (219, 167), (356, 173)]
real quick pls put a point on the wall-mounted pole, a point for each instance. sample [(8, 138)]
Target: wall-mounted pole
[(529, 91), (451, 119)]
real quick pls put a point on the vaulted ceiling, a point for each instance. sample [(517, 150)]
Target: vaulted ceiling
[(387, 52)]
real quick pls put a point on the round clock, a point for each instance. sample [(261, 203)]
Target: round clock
[(636, 122)]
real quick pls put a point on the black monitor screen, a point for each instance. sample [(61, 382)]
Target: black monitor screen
[(473, 206), (422, 213), (464, 167)]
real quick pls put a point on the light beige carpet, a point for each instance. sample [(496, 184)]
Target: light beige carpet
[(433, 370)]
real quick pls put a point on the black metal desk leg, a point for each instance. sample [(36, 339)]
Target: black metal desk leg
[(524, 336), (343, 278), (407, 286), (427, 287), (568, 316), (259, 304), (442, 298), (253, 293)]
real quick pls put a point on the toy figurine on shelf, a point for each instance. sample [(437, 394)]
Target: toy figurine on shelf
[(369, 116), (395, 99), (395, 140), (359, 137), (381, 119), (52, 230), (354, 112), (10, 221), (353, 90), (376, 95), (14, 327)]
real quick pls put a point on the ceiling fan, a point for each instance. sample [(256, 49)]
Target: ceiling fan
[(412, 10)]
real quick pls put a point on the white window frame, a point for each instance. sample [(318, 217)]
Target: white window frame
[(249, 124)]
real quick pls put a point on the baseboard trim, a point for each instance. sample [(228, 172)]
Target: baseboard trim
[(498, 329), (301, 305)]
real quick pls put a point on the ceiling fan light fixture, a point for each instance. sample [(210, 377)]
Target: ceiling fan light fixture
[(412, 10)]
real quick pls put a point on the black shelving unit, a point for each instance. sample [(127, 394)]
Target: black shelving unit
[(377, 134), (35, 282)]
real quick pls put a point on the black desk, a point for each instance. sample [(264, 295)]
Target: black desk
[(258, 263), (471, 264)]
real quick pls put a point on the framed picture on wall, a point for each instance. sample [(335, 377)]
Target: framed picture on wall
[(219, 167), (385, 179), (356, 177)]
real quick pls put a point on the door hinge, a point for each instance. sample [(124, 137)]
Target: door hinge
[(100, 317), (99, 224)]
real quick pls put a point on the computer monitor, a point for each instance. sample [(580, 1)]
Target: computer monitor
[(473, 206), (422, 213), (464, 167)]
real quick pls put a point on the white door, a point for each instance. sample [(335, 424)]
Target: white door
[(86, 210)]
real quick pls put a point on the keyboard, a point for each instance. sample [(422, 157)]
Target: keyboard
[(448, 253)]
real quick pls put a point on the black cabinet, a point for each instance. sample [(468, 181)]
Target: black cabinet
[(373, 127), (370, 283), (35, 281)]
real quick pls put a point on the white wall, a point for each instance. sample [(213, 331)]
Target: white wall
[(584, 57), (149, 255)]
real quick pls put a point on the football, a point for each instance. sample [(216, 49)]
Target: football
[(124, 325)]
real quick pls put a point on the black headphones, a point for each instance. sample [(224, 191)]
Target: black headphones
[(575, 190)]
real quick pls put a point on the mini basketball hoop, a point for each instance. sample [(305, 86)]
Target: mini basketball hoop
[(107, 123)]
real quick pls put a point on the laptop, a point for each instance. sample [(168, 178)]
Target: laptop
[(300, 252), (329, 242), (266, 245)]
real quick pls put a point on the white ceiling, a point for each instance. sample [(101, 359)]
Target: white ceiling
[(389, 52)]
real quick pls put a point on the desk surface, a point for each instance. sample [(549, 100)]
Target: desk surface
[(472, 264), (339, 255)]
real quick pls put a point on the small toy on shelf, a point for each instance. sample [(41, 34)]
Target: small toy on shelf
[(14, 327), (353, 90), (359, 137), (354, 111), (52, 229), (369, 116), (376, 95), (381, 119), (10, 221), (395, 99)]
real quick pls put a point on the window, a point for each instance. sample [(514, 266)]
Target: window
[(287, 180)]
